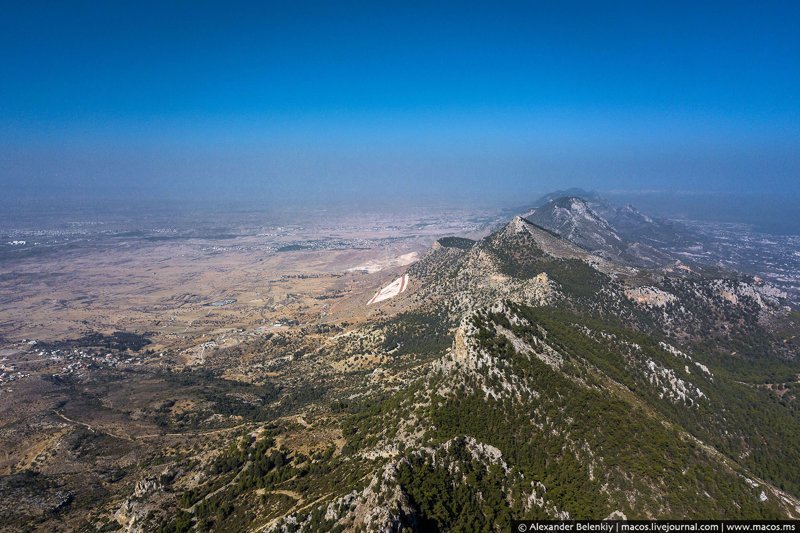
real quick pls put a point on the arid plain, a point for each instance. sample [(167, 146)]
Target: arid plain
[(98, 323)]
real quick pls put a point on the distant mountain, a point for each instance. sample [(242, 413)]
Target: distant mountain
[(574, 191), (635, 226), (572, 218), (622, 234), (627, 235)]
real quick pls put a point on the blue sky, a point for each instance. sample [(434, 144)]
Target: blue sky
[(465, 102)]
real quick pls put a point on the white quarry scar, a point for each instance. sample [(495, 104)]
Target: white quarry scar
[(391, 290)]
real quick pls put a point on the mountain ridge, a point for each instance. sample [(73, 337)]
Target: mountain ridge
[(523, 376)]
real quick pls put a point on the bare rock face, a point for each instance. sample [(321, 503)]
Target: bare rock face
[(133, 511), (396, 511), (129, 517), (146, 486), (381, 506), (650, 296), (763, 294)]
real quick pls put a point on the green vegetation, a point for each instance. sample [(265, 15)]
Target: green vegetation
[(596, 447), (417, 333), (224, 397), (293, 248), (522, 258), (744, 422), (120, 341), (720, 326), (242, 467), (447, 505), (456, 242)]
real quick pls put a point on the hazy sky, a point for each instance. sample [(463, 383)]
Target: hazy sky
[(457, 101)]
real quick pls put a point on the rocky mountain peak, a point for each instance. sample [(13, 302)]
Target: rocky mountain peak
[(517, 225)]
